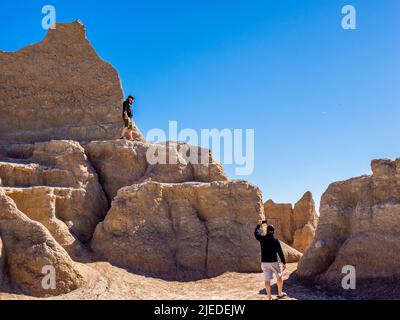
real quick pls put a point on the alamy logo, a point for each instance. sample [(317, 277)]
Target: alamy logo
[(49, 20), (228, 146), (349, 21), (349, 281), (49, 280)]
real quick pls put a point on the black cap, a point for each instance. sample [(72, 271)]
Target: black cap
[(270, 229)]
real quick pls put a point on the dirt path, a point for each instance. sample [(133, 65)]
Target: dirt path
[(108, 282)]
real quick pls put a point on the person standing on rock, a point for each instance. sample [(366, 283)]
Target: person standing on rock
[(127, 117), (271, 249)]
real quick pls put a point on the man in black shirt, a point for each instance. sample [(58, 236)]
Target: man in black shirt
[(127, 118), (271, 249)]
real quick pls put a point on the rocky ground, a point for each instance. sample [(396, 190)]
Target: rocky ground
[(109, 282)]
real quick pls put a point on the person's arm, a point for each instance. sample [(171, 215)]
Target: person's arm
[(256, 233), (280, 252)]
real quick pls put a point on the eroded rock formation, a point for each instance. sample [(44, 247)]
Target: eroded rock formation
[(180, 219), (28, 248), (295, 227), (182, 231), (359, 226), (39, 204), (53, 183), (59, 89), (123, 163), (305, 221)]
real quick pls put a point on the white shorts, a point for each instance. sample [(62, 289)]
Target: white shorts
[(270, 269)]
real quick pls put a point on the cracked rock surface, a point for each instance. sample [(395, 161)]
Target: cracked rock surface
[(183, 231)]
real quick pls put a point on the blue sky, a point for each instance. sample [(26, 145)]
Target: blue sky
[(323, 101)]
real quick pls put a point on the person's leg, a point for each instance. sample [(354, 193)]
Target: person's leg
[(279, 283), (130, 135), (268, 276), (124, 129), (123, 133), (268, 289), (130, 130), (277, 269)]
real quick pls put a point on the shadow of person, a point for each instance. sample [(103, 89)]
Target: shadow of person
[(262, 292)]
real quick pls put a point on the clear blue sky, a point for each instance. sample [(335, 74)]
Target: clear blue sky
[(323, 101)]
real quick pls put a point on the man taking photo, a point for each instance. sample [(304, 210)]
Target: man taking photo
[(271, 250)]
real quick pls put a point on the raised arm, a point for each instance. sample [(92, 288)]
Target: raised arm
[(256, 233)]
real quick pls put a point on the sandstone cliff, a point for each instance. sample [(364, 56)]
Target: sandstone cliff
[(360, 227), (182, 231), (59, 89)]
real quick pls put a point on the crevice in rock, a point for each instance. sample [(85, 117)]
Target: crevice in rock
[(175, 244), (99, 181), (203, 221)]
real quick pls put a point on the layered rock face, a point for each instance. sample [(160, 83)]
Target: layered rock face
[(28, 249), (164, 223), (39, 204), (360, 227), (281, 216), (297, 226), (182, 231), (54, 183), (59, 89), (123, 163)]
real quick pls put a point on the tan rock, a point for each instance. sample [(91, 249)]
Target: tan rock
[(304, 212), (122, 163), (29, 248), (359, 226), (305, 220), (58, 89), (291, 254), (281, 217), (39, 204), (70, 183), (182, 231), (304, 237), (294, 226)]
